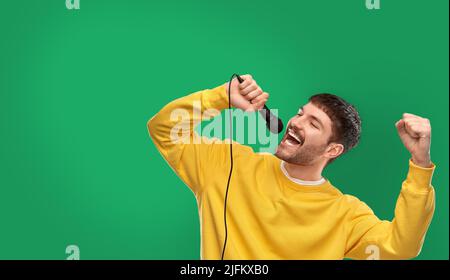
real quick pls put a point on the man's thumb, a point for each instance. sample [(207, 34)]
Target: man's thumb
[(400, 125)]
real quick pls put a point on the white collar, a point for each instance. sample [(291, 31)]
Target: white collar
[(298, 181)]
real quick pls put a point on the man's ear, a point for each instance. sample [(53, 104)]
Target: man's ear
[(334, 150)]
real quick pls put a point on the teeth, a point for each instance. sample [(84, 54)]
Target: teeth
[(291, 133), (291, 143)]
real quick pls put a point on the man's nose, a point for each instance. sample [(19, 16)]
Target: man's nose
[(297, 123)]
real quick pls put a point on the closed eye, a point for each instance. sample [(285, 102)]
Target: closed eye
[(315, 121)]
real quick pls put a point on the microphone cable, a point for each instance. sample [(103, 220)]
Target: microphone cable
[(273, 123), (231, 165)]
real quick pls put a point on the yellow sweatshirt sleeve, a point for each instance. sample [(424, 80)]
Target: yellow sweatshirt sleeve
[(192, 157), (401, 238)]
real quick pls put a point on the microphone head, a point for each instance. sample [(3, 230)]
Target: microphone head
[(273, 123), (280, 126)]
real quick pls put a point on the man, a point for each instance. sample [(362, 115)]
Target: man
[(279, 206)]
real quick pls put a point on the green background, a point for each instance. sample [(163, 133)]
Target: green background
[(77, 87)]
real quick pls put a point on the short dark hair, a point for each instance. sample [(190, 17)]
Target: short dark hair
[(345, 120)]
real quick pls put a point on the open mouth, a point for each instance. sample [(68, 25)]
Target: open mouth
[(292, 139)]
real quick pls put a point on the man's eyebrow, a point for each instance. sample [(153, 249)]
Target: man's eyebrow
[(313, 117)]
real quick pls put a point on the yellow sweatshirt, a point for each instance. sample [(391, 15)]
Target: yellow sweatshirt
[(271, 217)]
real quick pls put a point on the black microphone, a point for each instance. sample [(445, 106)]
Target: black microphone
[(274, 124)]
